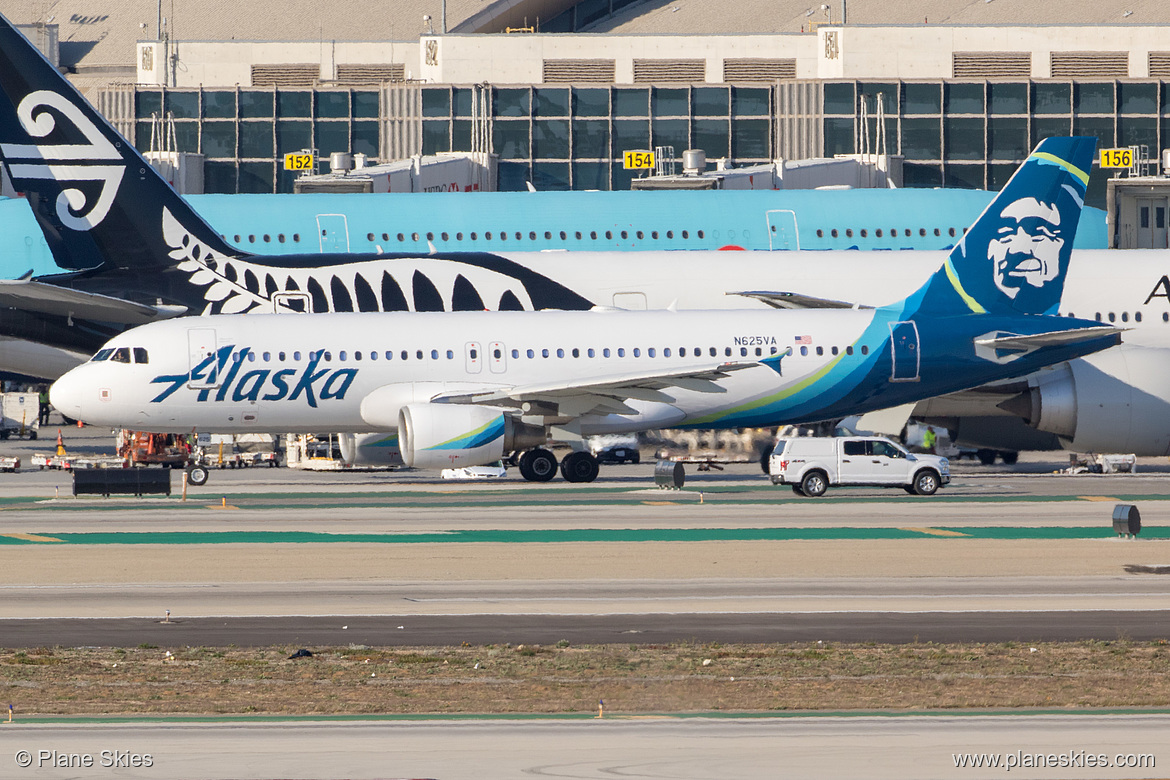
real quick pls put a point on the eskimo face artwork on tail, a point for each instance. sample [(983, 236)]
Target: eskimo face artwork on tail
[(1029, 242)]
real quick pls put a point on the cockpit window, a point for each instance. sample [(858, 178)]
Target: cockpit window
[(102, 354), (121, 355), (140, 355)]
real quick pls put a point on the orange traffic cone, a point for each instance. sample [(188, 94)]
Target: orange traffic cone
[(60, 445)]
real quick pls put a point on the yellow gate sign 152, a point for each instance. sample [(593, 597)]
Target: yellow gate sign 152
[(1116, 158), (298, 161), (638, 158)]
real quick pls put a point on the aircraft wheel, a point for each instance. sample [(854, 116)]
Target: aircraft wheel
[(986, 457), (538, 465), (197, 475), (579, 467), (766, 456), (1010, 457)]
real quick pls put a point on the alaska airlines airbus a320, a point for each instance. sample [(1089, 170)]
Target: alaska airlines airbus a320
[(461, 388)]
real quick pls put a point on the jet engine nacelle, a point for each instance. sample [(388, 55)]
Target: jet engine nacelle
[(370, 449), (1115, 401), (433, 436)]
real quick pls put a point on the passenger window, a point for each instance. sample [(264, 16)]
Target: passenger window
[(280, 356), (401, 237), (820, 233), (699, 234), (951, 232), (1097, 317), (639, 235), (937, 232), (864, 350), (863, 233), (280, 237), (418, 354), (713, 352), (544, 353), (670, 234), (727, 352), (578, 234), (530, 354), (488, 235), (341, 355), (650, 352), (654, 234), (297, 355), (1137, 316), (496, 353), (451, 354), (759, 352), (474, 354), (430, 236), (389, 355), (853, 448), (922, 231), (532, 235), (820, 351), (414, 236), (665, 352), (625, 234), (878, 232), (140, 355), (434, 354), (473, 236), (743, 351), (592, 234), (637, 352), (1125, 316), (328, 357), (605, 352), (560, 353), (576, 352), (518, 236), (458, 236), (621, 351), (686, 234), (565, 235), (833, 351), (297, 237), (804, 351), (251, 357), (121, 355), (444, 236), (1112, 317), (591, 353), (403, 355)]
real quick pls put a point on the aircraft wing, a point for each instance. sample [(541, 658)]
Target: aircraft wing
[(604, 394), (1054, 338), (791, 300), (41, 298)]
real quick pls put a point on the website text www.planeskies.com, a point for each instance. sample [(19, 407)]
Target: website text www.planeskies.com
[(1069, 759)]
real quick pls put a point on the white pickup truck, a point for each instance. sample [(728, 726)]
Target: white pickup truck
[(811, 464)]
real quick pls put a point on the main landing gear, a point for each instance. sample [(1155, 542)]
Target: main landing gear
[(540, 465)]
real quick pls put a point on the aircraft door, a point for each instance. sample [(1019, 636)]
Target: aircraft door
[(904, 351), (203, 363), (474, 356), (333, 231), (497, 357), (782, 233)]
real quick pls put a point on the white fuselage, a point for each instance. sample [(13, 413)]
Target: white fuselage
[(310, 373)]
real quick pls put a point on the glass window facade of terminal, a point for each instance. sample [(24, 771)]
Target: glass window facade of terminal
[(975, 134), (951, 133), (244, 134), (561, 137)]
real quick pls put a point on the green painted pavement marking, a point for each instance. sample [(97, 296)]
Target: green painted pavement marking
[(83, 720), (458, 500), (579, 535)]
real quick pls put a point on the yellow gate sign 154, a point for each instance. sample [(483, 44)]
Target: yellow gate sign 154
[(1116, 158), (298, 161), (638, 158)]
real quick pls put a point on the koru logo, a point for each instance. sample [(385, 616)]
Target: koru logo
[(58, 162)]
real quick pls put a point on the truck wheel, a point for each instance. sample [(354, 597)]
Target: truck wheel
[(796, 489), (197, 475), (814, 484), (926, 482)]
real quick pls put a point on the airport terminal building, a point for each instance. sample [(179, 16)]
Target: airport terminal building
[(560, 90)]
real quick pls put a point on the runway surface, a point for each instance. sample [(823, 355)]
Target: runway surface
[(640, 749)]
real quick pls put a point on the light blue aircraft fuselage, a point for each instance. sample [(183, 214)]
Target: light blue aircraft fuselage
[(608, 221)]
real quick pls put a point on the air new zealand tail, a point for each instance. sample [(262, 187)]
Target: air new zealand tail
[(103, 208)]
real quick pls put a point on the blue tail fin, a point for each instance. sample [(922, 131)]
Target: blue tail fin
[(93, 194), (1013, 260)]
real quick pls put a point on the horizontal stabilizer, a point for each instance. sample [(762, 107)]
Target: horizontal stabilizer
[(791, 300), (41, 298), (1055, 338)]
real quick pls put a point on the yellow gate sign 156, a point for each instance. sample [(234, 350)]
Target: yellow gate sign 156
[(1117, 158), (638, 158), (298, 161)]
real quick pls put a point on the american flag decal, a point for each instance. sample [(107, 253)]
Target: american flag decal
[(804, 339)]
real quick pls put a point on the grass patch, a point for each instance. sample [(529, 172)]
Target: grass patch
[(685, 677)]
